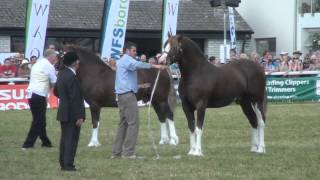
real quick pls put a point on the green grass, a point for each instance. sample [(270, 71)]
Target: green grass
[(292, 144)]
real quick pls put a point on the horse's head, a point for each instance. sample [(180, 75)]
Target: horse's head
[(172, 50)]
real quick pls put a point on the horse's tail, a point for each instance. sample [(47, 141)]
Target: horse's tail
[(172, 99), (264, 105)]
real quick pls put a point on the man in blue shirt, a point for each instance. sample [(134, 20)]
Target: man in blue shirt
[(126, 86)]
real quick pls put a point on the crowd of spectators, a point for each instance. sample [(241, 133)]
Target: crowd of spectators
[(282, 63), (16, 66)]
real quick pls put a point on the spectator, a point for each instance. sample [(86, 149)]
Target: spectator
[(153, 60), (33, 59), (313, 60), (233, 55), (296, 63), (306, 62), (271, 65), (284, 62), (243, 56), (158, 55), (24, 70), (255, 57), (212, 60), (19, 57), (264, 59), (52, 46), (8, 70), (143, 58)]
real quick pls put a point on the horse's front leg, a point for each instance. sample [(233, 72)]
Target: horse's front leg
[(189, 112), (200, 120), (95, 115)]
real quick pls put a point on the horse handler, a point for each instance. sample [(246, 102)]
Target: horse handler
[(71, 111), (126, 87)]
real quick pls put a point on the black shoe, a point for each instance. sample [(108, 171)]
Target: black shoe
[(26, 147), (68, 168), (47, 145)]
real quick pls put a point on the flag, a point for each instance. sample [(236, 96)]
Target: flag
[(169, 20), (113, 28), (36, 27), (232, 29)]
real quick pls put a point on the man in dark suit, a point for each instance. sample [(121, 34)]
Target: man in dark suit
[(71, 111)]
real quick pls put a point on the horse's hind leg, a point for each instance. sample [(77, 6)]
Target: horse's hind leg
[(95, 115), (255, 117), (260, 112), (251, 115)]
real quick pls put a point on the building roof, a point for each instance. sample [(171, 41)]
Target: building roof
[(144, 15)]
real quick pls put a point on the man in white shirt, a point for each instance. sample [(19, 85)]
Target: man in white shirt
[(42, 79)]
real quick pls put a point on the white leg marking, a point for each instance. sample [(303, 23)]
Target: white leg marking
[(164, 138), (94, 142), (195, 143), (254, 140), (174, 139), (198, 151), (261, 146), (192, 143)]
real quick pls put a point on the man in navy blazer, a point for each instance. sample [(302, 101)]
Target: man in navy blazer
[(71, 111)]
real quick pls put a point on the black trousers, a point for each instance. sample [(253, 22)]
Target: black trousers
[(38, 107), (68, 143)]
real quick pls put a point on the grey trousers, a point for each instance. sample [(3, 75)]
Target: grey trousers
[(127, 134)]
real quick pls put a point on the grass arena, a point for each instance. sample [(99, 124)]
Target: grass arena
[(292, 138)]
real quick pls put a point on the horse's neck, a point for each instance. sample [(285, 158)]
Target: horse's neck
[(189, 65)]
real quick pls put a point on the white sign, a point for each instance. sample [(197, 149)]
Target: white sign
[(5, 43), (114, 28), (222, 52), (170, 16), (37, 19), (232, 29)]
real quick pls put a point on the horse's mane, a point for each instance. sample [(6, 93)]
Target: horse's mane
[(187, 43), (85, 55)]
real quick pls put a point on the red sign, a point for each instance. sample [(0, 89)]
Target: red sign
[(14, 97)]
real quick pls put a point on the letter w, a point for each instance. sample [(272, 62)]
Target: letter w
[(172, 8), (40, 8)]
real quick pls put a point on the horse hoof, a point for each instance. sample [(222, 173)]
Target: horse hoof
[(164, 141), (174, 141), (198, 152), (94, 144), (254, 149), (194, 153), (261, 150)]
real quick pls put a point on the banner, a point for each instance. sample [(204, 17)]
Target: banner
[(169, 21), (232, 28), (36, 27), (14, 97), (113, 28), (291, 89)]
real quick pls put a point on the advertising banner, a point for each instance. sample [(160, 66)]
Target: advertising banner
[(36, 27), (14, 97), (170, 18), (114, 28), (301, 88)]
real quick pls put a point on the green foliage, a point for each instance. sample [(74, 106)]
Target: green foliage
[(292, 144)]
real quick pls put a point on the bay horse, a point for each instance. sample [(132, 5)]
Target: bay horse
[(203, 85), (97, 84)]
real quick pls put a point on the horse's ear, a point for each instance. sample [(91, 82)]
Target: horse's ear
[(169, 34)]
